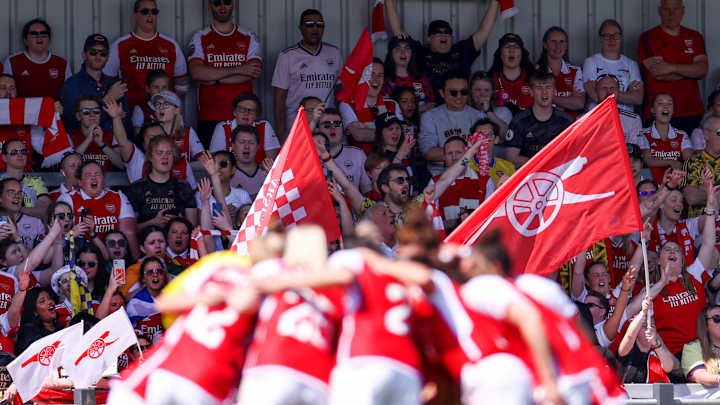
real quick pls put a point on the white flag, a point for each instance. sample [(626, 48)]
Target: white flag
[(98, 349), (40, 360)]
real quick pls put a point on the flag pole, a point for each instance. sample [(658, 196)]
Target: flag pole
[(647, 274), (139, 350)]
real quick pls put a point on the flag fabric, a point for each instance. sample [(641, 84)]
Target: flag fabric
[(60, 396), (141, 306), (508, 9), (433, 212), (295, 191), (98, 349), (41, 359), (40, 112), (355, 74), (655, 374), (193, 253), (377, 21), (80, 297), (577, 190)]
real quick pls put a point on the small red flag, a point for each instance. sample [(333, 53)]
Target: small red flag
[(295, 191), (355, 74), (377, 21), (577, 190)]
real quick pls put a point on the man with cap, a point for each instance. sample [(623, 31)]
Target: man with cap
[(454, 118), (606, 85), (442, 55), (90, 79)]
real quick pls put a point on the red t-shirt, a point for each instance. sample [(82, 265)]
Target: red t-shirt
[(681, 48), (93, 151), (219, 50), (38, 79), (132, 58), (513, 91)]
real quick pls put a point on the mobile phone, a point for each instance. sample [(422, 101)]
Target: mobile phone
[(85, 212), (118, 271), (4, 219), (216, 207)]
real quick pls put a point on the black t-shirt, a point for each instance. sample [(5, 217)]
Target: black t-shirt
[(634, 366), (148, 197), (435, 65), (530, 135)]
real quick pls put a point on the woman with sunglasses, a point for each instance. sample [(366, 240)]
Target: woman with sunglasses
[(609, 61), (62, 212), (701, 357), (679, 296), (116, 244), (641, 350), (140, 308)]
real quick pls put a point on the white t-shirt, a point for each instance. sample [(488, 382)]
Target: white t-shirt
[(631, 125), (237, 198), (304, 73), (625, 69), (352, 161)]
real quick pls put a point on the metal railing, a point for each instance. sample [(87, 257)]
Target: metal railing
[(666, 394)]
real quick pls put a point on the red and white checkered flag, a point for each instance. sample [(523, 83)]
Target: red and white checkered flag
[(294, 191)]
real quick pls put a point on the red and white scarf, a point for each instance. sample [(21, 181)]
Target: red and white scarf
[(432, 211), (40, 112), (193, 254), (483, 159), (377, 21), (508, 9)]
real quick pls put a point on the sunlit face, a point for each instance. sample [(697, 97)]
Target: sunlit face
[(144, 18), (391, 135), (671, 13), (488, 131), (8, 88), (64, 285), (398, 188), (605, 87), (178, 237), (158, 85), (673, 206), (543, 92), (69, 167), (401, 54), (17, 155), (154, 245), (310, 106), (88, 114), (711, 135), (38, 39), (117, 246), (481, 92), (646, 191), (376, 79), (556, 45), (663, 109), (16, 254), (225, 167), (64, 215), (408, 104), (163, 157), (596, 308), (455, 94), (598, 279), (45, 308), (89, 262), (511, 55), (246, 112), (245, 147), (375, 173), (154, 276), (384, 220), (12, 196), (671, 256), (713, 327), (454, 151), (165, 112), (331, 126), (92, 181)]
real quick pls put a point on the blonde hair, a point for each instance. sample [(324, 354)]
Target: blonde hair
[(711, 362), (306, 245)]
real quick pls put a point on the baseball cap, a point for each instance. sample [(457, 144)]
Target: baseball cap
[(384, 120), (510, 37), (633, 150), (437, 25), (169, 96), (395, 41), (96, 39)]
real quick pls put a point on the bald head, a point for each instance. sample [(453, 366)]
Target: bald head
[(671, 14)]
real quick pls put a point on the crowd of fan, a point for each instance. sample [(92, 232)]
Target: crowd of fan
[(429, 129)]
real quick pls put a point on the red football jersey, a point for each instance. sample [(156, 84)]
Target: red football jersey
[(516, 91), (189, 145), (107, 209), (8, 288), (228, 127), (132, 58), (296, 329), (219, 50), (38, 79), (468, 191), (93, 151), (21, 132), (669, 148), (379, 313)]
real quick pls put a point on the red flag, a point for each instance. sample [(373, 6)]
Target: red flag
[(355, 74), (40, 112), (377, 21), (295, 190), (508, 9), (577, 190)]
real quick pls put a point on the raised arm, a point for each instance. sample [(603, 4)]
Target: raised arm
[(394, 19), (613, 323), (578, 280), (115, 111), (628, 341), (458, 168), (36, 255), (481, 35), (707, 249)]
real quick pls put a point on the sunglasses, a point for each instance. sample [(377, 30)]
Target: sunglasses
[(217, 3), (115, 243), (223, 163), (310, 24), (401, 180), (647, 193), (62, 215), (64, 281), (150, 272), (442, 34), (15, 152), (146, 11), (592, 304), (39, 34), (715, 318), (331, 124), (93, 111), (454, 93), (95, 52), (162, 106), (83, 263)]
